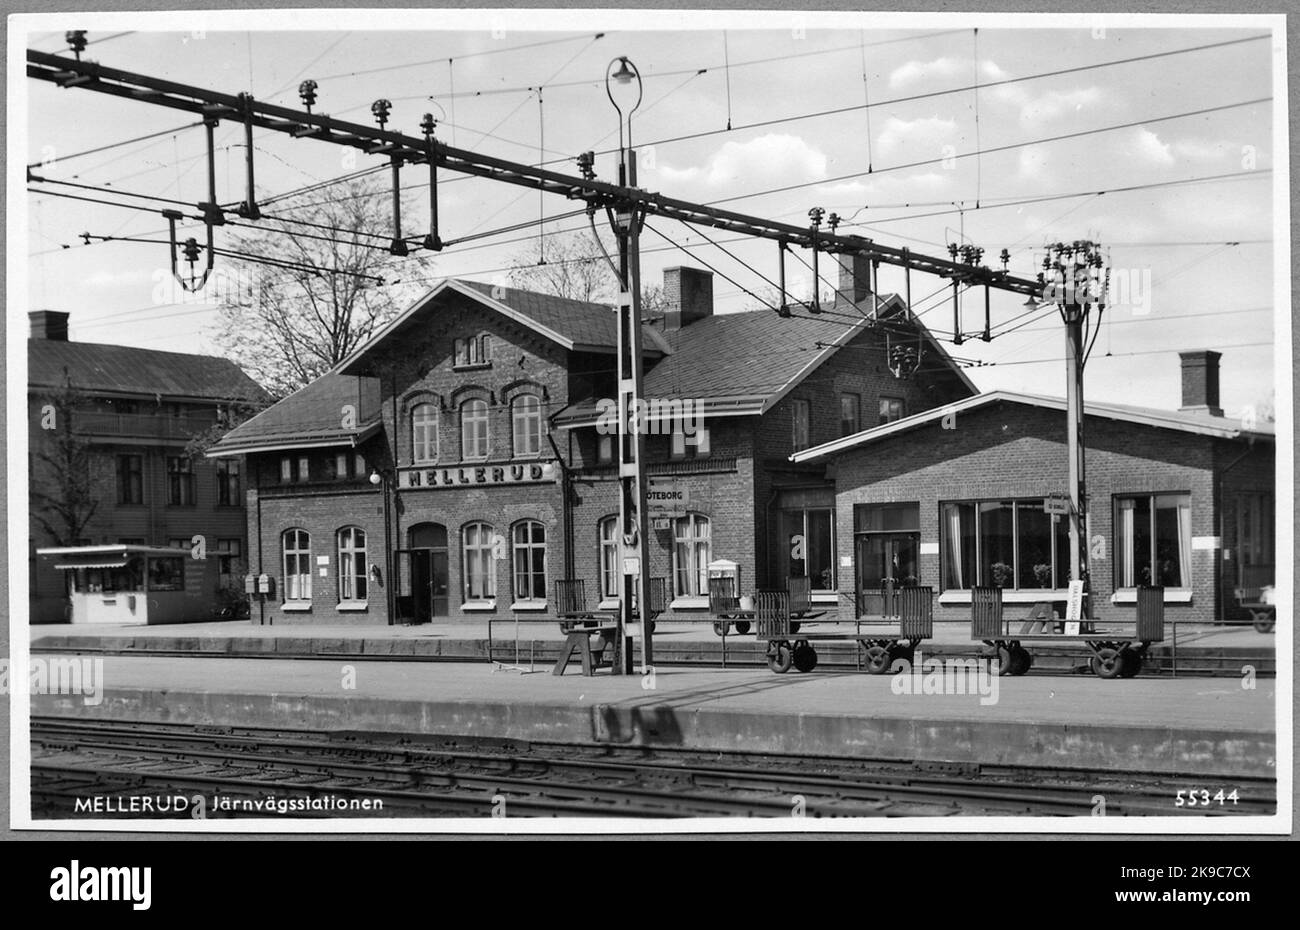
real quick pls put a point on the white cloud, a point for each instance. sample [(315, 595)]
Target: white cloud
[(924, 137), (118, 278), (915, 71), (1147, 145), (888, 188), (766, 161), (1202, 150)]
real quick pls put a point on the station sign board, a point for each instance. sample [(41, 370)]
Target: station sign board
[(667, 497)]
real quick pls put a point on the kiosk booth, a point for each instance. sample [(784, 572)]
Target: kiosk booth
[(130, 584)]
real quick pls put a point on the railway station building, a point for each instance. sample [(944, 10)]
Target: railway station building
[(462, 461), (958, 496)]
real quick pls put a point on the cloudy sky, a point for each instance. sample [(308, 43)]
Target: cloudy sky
[(1167, 159)]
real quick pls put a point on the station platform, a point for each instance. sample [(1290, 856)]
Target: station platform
[(1189, 649), (1187, 726)]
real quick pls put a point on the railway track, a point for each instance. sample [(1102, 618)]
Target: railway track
[(459, 777)]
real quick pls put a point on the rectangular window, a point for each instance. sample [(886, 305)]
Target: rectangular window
[(610, 576), (480, 564), (474, 429), (229, 553), (297, 565), (604, 449), (228, 483), (689, 447), (800, 416), (887, 544), (352, 564), (180, 481), (304, 469), (167, 574), (530, 561), (850, 414), (130, 479), (1012, 544), (1153, 540), (810, 538), (692, 540), (286, 470), (891, 409)]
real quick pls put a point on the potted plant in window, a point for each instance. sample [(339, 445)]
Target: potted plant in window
[(1043, 574), (1002, 574)]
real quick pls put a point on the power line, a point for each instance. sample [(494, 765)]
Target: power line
[(114, 145)]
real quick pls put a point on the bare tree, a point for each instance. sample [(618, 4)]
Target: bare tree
[(66, 486), (573, 265), (288, 324)]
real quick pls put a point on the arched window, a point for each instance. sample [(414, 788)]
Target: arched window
[(480, 566), (474, 429), (530, 561), (609, 573), (691, 547), (352, 563), (296, 545), (424, 433), (526, 417)]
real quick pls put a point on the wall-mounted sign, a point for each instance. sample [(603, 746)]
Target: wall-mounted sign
[(1057, 504), (667, 497), (475, 476)]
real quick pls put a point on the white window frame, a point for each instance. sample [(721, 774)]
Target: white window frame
[(301, 555), (424, 433), (699, 548), (526, 598), (478, 557), (348, 575), (520, 422), (479, 426), (611, 588)]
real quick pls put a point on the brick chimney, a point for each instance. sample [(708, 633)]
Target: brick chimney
[(49, 324), (688, 296), (855, 279), (1201, 382)]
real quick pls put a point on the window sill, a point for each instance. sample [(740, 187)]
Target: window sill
[(353, 607), (473, 366), (473, 606), (1172, 596), (529, 605), (690, 603), (1023, 596), (825, 597), (296, 606), (609, 603)]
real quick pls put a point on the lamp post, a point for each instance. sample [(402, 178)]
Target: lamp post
[(626, 220)]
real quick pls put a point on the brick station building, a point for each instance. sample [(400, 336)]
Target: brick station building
[(457, 465), (954, 497)]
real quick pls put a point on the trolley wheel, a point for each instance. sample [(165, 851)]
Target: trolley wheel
[(1132, 662), (1108, 662), (742, 627), (720, 627), (805, 657), (1263, 622), (1002, 655), (780, 658), (877, 660), (1021, 660)]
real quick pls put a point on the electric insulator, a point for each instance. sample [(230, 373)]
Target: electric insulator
[(76, 39), (191, 249), (381, 108), (428, 124), (816, 214), (307, 93)]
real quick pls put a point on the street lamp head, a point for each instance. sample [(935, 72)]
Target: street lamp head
[(375, 478), (624, 74)]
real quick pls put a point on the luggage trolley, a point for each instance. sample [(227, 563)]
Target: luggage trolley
[(1116, 653), (588, 632), (775, 622)]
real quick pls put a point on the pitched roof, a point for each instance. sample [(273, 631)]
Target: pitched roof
[(1200, 423), (575, 325), (744, 363), (312, 416), (110, 369)]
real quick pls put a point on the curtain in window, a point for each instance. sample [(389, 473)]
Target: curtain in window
[(952, 546), (1127, 536), (1185, 544)]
